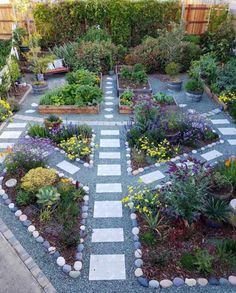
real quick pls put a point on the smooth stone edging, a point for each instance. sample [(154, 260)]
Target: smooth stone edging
[(66, 268)]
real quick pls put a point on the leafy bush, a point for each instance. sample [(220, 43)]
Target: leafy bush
[(126, 97), (203, 261), (5, 110), (38, 131), (25, 198), (187, 261), (194, 85), (14, 104), (172, 69), (228, 169), (136, 73), (95, 33), (83, 77), (47, 196), (38, 178), (190, 51), (5, 49), (226, 77), (163, 98)]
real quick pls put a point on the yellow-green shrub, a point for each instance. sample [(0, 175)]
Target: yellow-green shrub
[(37, 178)]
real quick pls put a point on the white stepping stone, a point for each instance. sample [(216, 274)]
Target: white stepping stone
[(109, 87), (109, 103), (110, 116), (109, 170), (109, 143), (211, 155), (5, 145), (34, 105), (16, 125), (109, 98), (108, 92), (232, 141), (30, 111), (107, 209), (108, 187), (107, 267), (108, 235), (182, 105), (11, 134), (228, 131), (108, 109), (109, 155), (151, 177), (68, 167), (220, 121), (110, 132), (109, 78), (108, 82)]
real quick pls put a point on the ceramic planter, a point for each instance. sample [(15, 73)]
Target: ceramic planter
[(194, 96), (175, 85)]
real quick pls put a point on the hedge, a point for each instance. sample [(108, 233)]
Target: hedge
[(127, 21)]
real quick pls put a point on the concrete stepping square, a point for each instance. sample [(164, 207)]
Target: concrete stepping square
[(104, 267), (109, 116), (109, 155), (107, 209), (108, 235), (232, 141), (68, 167), (109, 170), (5, 145), (110, 132), (228, 131), (220, 121), (109, 143), (108, 187), (16, 125), (151, 177), (108, 109), (109, 98), (11, 134), (211, 155), (30, 111), (109, 103)]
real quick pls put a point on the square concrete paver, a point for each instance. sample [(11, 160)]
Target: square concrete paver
[(110, 143), (107, 209), (220, 121), (228, 130), (211, 155), (151, 177), (109, 155), (17, 125), (108, 235), (108, 187), (109, 170), (110, 132), (11, 134), (232, 141), (68, 167), (107, 267)]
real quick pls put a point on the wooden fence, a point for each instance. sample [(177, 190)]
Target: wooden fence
[(195, 14)]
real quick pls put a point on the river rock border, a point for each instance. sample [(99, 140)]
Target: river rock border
[(166, 283), (73, 271)]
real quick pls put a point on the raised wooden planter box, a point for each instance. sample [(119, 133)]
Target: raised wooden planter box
[(120, 90), (125, 109), (48, 109), (214, 97)]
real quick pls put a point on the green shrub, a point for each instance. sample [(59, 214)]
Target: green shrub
[(136, 73), (172, 69), (47, 196), (5, 49), (194, 85), (203, 261), (163, 98), (24, 198), (226, 250), (95, 34), (187, 261), (83, 77), (189, 53), (38, 131), (14, 104), (226, 77)]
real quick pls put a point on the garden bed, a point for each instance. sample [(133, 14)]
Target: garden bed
[(48, 109), (214, 97)]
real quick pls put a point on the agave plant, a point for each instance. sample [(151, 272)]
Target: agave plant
[(47, 196)]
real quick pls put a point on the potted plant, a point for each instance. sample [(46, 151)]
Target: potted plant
[(194, 89), (173, 69), (52, 121), (220, 186), (216, 212), (20, 39)]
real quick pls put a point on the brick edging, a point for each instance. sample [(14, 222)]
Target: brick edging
[(36, 272)]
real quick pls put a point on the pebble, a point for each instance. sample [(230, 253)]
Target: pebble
[(86, 198), (5, 196), (31, 228), (46, 244), (11, 182), (86, 189), (131, 205), (61, 261), (202, 281), (136, 238), (84, 215), (140, 170), (178, 281), (74, 274), (11, 206), (213, 281), (84, 209), (35, 234), (40, 239), (143, 281), (232, 280), (138, 272), (23, 218), (223, 281), (166, 283), (82, 227), (2, 191), (27, 223), (86, 165), (66, 268), (154, 284), (134, 224), (138, 262), (138, 253), (79, 256), (80, 247), (232, 205), (7, 202), (78, 265), (137, 244), (133, 216), (56, 254), (190, 282), (135, 172), (135, 230)]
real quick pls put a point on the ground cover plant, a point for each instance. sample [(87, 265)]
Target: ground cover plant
[(185, 226), (50, 202), (73, 139), (158, 134)]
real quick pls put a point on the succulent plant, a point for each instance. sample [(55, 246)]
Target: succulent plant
[(47, 196)]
